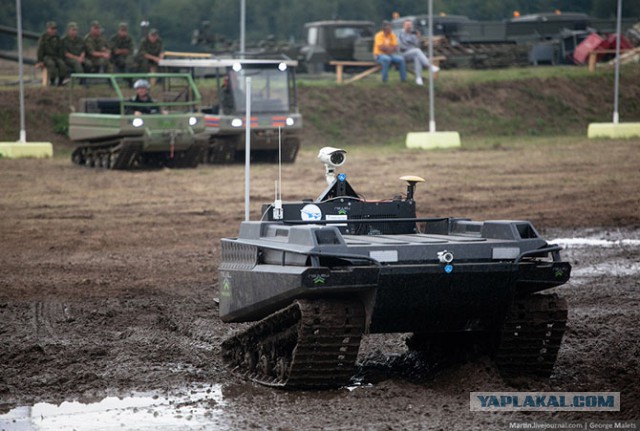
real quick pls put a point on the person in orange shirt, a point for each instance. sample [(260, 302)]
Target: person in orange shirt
[(385, 51)]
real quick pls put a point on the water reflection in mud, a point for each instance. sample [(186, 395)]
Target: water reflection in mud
[(195, 409), (615, 256)]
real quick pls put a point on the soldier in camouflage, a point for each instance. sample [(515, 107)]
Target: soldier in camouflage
[(98, 57), (150, 52), (122, 49), (73, 49), (50, 54)]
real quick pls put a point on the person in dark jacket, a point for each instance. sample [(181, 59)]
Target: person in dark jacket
[(142, 96)]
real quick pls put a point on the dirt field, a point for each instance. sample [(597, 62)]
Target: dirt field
[(108, 280)]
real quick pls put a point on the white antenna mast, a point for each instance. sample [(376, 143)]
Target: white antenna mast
[(277, 205), (247, 149)]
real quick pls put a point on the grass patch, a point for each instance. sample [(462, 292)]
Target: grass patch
[(60, 124)]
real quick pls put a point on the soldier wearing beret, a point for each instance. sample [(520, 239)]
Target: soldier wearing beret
[(50, 54)]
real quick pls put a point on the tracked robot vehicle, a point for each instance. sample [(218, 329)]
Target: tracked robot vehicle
[(112, 131), (316, 275)]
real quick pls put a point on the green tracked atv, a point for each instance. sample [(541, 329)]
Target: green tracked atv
[(112, 131)]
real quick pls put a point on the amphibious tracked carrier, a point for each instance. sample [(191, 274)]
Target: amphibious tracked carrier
[(316, 275), (113, 131)]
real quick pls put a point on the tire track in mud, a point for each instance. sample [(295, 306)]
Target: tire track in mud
[(47, 317)]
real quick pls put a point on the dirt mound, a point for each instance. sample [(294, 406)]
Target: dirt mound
[(46, 115), (377, 114)]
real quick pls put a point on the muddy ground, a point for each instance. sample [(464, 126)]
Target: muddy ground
[(108, 280)]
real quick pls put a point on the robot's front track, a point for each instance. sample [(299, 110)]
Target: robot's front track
[(309, 344)]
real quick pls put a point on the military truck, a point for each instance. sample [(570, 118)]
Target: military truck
[(112, 131), (275, 119), (335, 40), (314, 276)]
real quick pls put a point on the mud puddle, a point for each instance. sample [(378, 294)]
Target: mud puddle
[(616, 254), (192, 409)]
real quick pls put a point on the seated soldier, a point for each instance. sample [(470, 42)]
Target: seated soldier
[(50, 54), (98, 58), (73, 49), (150, 52)]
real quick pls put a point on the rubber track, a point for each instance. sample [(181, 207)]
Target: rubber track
[(531, 336), (125, 156), (122, 154), (310, 344), (191, 157), (220, 151)]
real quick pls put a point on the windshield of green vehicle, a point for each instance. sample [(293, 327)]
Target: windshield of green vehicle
[(269, 90)]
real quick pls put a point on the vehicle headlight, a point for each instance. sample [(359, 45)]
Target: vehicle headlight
[(137, 122), (193, 121), (290, 121), (236, 122)]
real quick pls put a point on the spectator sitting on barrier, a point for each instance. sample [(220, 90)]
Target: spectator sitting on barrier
[(410, 48), (142, 96), (50, 54), (73, 49), (385, 48)]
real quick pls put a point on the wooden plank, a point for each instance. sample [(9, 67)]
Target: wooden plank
[(367, 72), (187, 54), (353, 63), (340, 69), (593, 56), (339, 73)]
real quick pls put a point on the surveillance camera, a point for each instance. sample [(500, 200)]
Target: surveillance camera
[(332, 157)]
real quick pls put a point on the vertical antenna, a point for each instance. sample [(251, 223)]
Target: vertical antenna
[(247, 149), (280, 160), (277, 205)]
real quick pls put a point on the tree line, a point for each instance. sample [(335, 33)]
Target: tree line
[(283, 20)]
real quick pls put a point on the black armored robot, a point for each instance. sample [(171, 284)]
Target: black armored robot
[(316, 275)]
